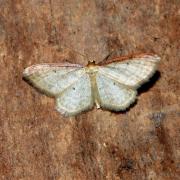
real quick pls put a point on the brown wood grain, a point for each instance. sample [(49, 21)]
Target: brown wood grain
[(36, 142)]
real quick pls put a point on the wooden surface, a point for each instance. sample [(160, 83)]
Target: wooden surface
[(36, 142)]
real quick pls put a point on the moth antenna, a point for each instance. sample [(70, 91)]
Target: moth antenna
[(77, 52)]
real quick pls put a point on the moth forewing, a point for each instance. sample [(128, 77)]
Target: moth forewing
[(51, 79), (131, 72)]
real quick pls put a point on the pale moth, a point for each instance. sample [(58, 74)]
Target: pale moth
[(76, 88)]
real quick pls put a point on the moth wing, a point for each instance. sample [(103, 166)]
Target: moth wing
[(132, 72), (112, 95), (52, 79), (76, 98)]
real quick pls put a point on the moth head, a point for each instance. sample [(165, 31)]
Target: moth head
[(91, 63)]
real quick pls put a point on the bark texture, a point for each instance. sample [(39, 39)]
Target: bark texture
[(36, 142)]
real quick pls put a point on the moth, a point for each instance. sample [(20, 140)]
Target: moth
[(111, 85)]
